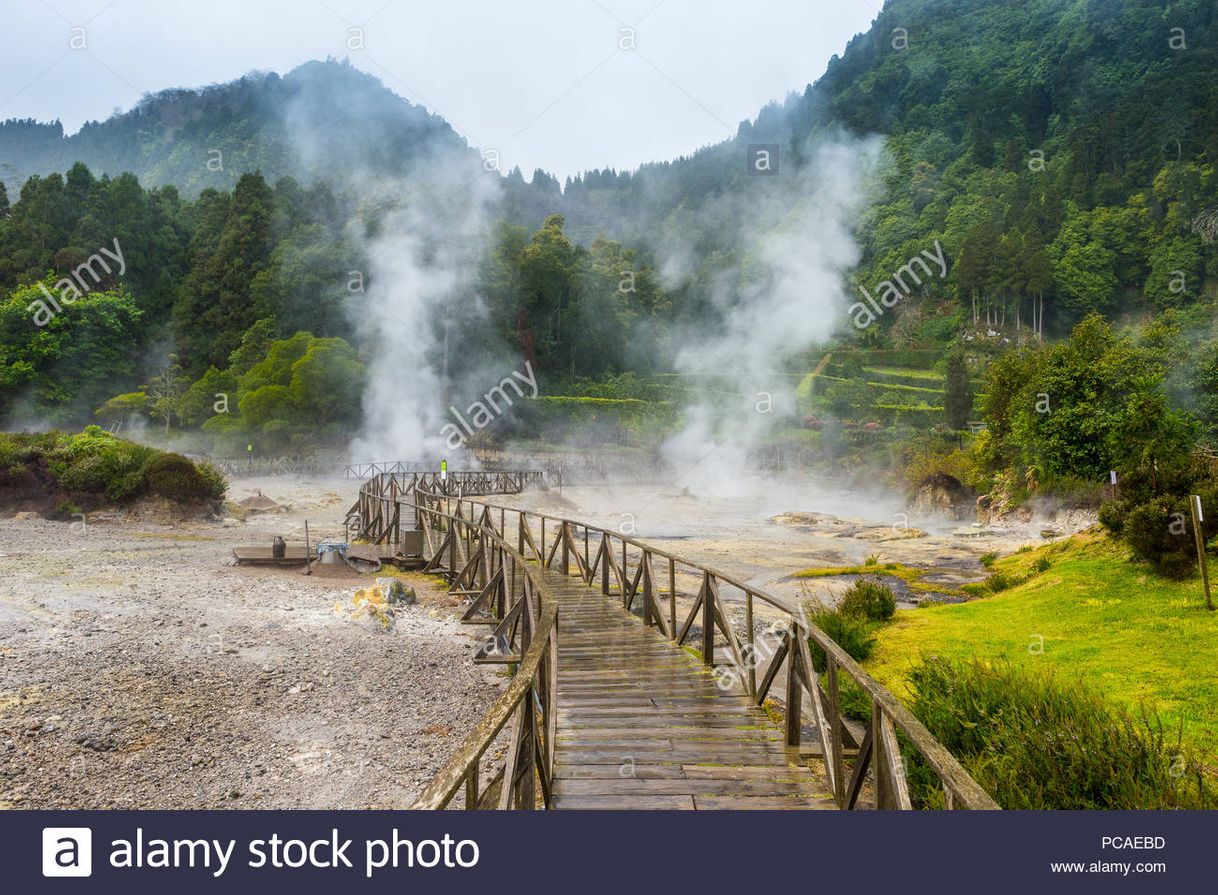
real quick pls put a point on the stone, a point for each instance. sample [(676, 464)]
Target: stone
[(396, 592)]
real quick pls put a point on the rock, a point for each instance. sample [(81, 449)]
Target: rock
[(396, 592), (942, 494)]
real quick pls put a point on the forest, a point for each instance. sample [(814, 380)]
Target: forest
[(1071, 191)]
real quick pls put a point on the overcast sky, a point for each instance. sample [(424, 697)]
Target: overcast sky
[(556, 84)]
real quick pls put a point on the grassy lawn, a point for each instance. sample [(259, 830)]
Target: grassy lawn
[(1105, 621)]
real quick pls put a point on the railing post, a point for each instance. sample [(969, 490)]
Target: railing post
[(708, 620), (879, 761), (563, 532), (794, 693), (471, 788), (835, 731), (752, 658), (648, 596), (672, 597)]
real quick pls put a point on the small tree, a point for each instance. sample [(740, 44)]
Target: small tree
[(165, 392), (116, 412), (958, 393)]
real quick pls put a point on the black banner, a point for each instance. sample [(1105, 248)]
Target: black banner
[(456, 852)]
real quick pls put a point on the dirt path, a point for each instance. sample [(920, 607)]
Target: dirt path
[(138, 670)]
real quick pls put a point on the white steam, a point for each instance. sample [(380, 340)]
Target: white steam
[(791, 295), (422, 263)]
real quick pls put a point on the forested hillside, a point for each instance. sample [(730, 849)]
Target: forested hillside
[(1056, 154)]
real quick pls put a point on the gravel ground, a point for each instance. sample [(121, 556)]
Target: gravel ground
[(139, 670)]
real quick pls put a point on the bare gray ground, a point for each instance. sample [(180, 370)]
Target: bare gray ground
[(138, 670)]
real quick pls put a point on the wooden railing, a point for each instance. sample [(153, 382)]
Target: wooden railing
[(481, 565), (377, 513), (469, 541), (363, 471)]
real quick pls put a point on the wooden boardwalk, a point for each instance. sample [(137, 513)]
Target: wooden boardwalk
[(609, 710), (643, 724)]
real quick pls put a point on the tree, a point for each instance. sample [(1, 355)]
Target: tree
[(549, 283), (1037, 269), (71, 364), (218, 302), (1175, 272), (958, 392), (165, 391), (215, 392), (1086, 279), (1071, 409), (121, 409)]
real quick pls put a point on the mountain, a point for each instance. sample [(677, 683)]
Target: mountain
[(1062, 151), (319, 120), (1058, 155)]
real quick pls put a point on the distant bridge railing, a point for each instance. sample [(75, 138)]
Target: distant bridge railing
[(377, 514), (276, 465), (470, 542)]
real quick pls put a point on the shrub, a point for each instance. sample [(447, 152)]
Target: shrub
[(217, 484), (987, 559), (996, 582), (96, 462), (177, 478), (854, 634), (1160, 532), (869, 599), (1041, 564), (1034, 742)]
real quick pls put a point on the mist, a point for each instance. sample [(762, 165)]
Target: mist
[(790, 295)]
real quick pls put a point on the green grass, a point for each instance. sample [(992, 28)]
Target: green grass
[(1134, 637), (910, 372), (884, 386)]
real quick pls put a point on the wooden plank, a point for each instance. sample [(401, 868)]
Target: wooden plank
[(761, 803), (624, 803), (703, 786)]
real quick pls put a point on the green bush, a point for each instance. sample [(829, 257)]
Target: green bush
[(870, 599), (1161, 533), (177, 478), (95, 463), (996, 582), (217, 484), (1034, 742), (854, 634)]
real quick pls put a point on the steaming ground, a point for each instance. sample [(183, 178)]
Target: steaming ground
[(761, 529), (137, 670)]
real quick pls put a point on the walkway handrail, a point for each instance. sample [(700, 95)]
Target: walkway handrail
[(879, 747), (526, 636)]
